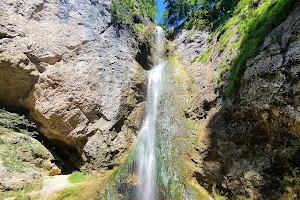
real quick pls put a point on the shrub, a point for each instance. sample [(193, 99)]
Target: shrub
[(124, 11)]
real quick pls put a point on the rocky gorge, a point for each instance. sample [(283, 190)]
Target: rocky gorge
[(73, 94)]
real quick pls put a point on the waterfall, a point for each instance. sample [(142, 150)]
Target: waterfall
[(146, 142), (155, 167)]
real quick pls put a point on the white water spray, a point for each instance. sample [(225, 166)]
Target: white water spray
[(146, 148)]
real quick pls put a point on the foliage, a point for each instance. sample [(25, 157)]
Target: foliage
[(139, 27), (199, 14), (125, 11), (77, 177)]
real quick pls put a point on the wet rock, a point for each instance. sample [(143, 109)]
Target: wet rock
[(250, 145)]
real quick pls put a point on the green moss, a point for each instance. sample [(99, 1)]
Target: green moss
[(28, 187), (17, 122), (217, 76), (250, 22), (190, 86), (15, 165), (204, 56), (77, 177), (68, 193), (253, 25), (219, 197), (139, 27), (240, 197), (224, 39), (234, 45), (15, 147)]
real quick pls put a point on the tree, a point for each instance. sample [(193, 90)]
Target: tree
[(200, 14)]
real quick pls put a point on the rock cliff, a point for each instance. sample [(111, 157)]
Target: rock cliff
[(75, 72), (250, 144)]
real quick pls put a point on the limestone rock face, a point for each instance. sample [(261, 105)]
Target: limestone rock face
[(74, 71), (188, 45), (250, 147)]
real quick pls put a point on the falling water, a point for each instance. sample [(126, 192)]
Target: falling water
[(154, 159), (146, 149)]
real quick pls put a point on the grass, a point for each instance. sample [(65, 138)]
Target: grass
[(219, 197), (204, 56), (77, 177), (225, 38), (253, 25), (234, 45), (15, 165), (250, 22), (67, 194)]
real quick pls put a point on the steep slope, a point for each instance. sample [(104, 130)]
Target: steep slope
[(249, 145), (77, 74)]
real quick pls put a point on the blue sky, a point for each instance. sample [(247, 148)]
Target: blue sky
[(160, 8)]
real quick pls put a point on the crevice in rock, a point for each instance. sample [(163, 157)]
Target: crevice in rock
[(66, 157), (143, 56), (5, 35), (100, 115), (35, 60), (207, 105), (118, 126), (51, 60), (37, 9), (140, 92)]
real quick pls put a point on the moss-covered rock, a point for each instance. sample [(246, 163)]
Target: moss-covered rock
[(23, 160)]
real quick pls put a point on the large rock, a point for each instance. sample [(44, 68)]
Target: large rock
[(250, 147), (188, 45), (255, 140), (74, 71), (23, 160)]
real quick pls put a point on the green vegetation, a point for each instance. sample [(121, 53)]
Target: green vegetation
[(77, 177), (15, 165), (17, 122), (253, 22), (68, 193), (125, 11), (218, 76), (199, 14), (28, 187), (139, 27), (239, 25), (204, 56), (219, 197), (16, 147)]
